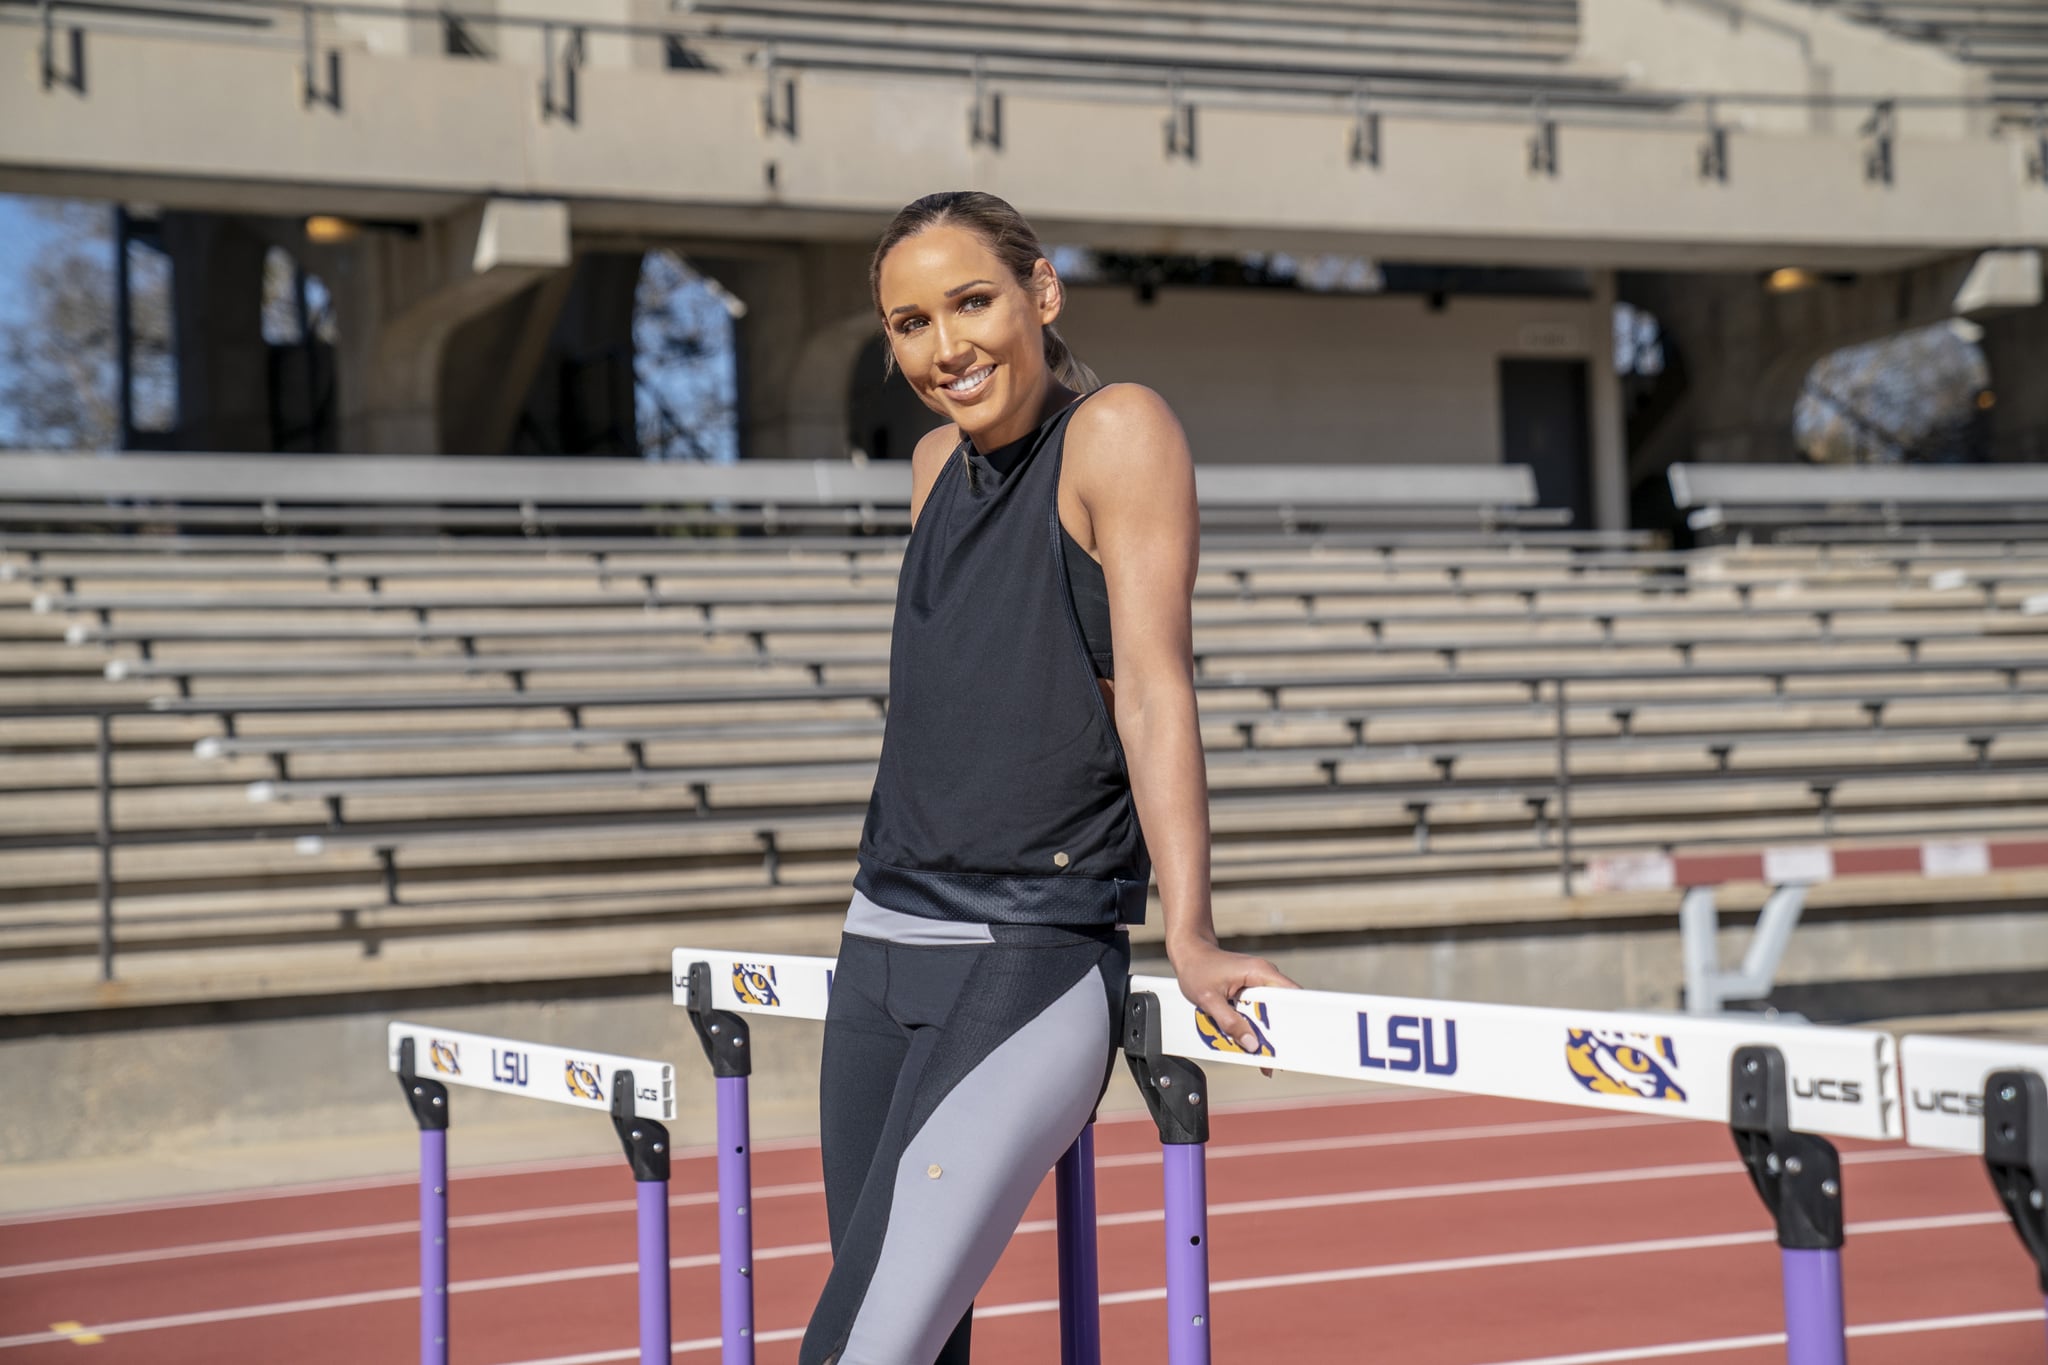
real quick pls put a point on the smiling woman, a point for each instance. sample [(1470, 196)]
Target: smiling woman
[(1021, 800)]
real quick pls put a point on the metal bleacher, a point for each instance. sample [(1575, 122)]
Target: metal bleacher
[(2006, 505), (377, 730)]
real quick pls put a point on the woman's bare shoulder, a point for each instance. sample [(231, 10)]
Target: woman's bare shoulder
[(934, 446), (1126, 429), (1124, 407), (927, 459)]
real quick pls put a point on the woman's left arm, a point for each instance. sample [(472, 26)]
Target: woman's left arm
[(1136, 478)]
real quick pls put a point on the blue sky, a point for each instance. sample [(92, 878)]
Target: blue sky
[(22, 234)]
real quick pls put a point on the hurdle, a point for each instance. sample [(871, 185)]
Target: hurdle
[(1782, 1089), (1989, 1097), (637, 1093), (718, 988)]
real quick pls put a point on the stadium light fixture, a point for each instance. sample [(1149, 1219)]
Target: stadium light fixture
[(1790, 279), (328, 230)]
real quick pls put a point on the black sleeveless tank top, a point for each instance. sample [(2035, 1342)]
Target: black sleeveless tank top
[(1001, 795)]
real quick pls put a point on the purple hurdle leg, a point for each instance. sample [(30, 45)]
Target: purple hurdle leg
[(645, 1143), (1187, 1254), (724, 1036), (434, 1246), (1080, 1285), (428, 1101), (1813, 1308), (735, 1223), (651, 1197), (1172, 1087)]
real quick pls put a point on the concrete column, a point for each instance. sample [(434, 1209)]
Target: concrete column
[(560, 356), (491, 362), (1603, 408), (400, 299), (217, 302)]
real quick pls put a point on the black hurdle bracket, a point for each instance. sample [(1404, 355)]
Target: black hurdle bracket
[(1172, 1086), (427, 1099), (725, 1036), (2016, 1155), (645, 1141), (1797, 1175)]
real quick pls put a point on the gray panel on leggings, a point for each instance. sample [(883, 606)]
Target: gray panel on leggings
[(992, 1139), (869, 920)]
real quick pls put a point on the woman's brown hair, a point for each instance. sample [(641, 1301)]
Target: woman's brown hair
[(1005, 232)]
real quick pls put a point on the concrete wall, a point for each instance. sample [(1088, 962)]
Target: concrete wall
[(1268, 375), (196, 124)]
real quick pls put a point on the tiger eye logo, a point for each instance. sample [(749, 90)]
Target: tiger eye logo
[(584, 1079), (1637, 1066), (446, 1058), (755, 985), (1215, 1040)]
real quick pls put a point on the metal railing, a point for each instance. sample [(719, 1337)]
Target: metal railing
[(1365, 89), (1548, 689)]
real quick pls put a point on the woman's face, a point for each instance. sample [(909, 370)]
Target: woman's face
[(968, 338)]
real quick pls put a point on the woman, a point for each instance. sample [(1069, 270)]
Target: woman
[(980, 982)]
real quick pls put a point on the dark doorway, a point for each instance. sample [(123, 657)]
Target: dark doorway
[(885, 418), (1543, 425)]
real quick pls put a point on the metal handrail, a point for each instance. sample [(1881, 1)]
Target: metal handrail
[(1557, 680)]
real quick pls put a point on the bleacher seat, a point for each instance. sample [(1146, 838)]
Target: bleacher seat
[(338, 743)]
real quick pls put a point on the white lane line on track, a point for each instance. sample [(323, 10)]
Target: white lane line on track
[(1402, 1269), (1672, 1350), (1217, 1151), (559, 1165), (1403, 1138), (1415, 1192), (1512, 1185), (287, 1240)]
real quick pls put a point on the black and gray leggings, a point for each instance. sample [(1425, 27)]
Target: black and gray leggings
[(960, 1061)]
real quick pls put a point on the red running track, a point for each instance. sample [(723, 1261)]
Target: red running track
[(1423, 1230)]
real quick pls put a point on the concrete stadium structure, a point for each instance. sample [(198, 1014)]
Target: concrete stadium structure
[(501, 165), (311, 802)]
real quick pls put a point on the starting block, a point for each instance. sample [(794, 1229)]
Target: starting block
[(637, 1093), (1987, 1096), (1781, 1088)]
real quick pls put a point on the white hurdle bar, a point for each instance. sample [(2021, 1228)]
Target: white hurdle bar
[(1987, 1096), (1778, 1086), (640, 1096)]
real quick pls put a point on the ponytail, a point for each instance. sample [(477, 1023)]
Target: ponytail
[(1065, 366)]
